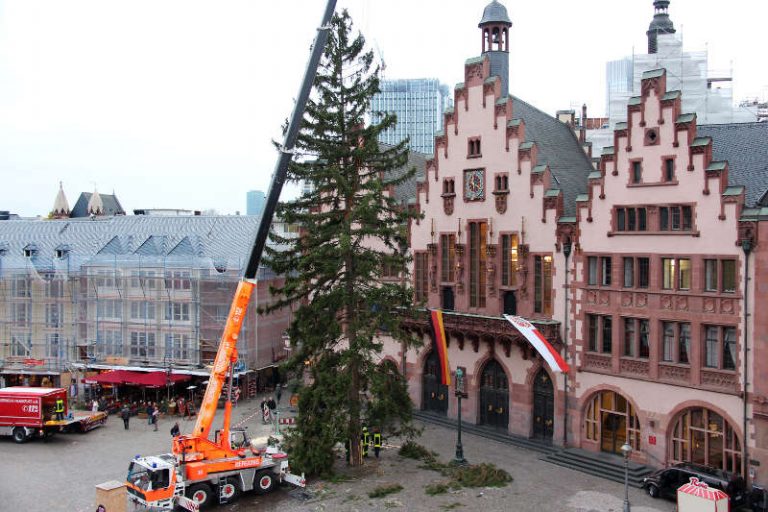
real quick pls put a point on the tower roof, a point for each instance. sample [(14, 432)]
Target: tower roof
[(60, 205), (494, 12), (95, 204), (661, 24)]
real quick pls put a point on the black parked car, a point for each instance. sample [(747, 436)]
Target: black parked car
[(665, 482)]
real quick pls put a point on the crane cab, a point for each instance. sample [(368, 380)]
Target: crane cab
[(152, 481)]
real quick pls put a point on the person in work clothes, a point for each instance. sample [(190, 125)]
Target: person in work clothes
[(59, 410), (365, 437), (155, 416), (376, 441)]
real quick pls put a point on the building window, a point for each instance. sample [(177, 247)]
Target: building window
[(421, 276), (710, 275), (675, 218), (714, 338), (54, 288), (53, 345), (669, 169), (644, 344), (630, 333), (143, 344), (177, 311), (605, 271), (178, 280), (448, 258), (109, 309), (643, 272), (600, 333), (704, 437), (54, 315), (106, 278), (631, 219), (676, 274), (21, 344), (448, 186), (21, 313), (676, 342), (143, 279), (477, 263), (607, 404), (542, 300), (110, 343), (177, 346), (637, 172), (143, 310), (20, 287), (473, 147), (592, 270), (629, 272), (502, 183), (720, 275), (509, 260)]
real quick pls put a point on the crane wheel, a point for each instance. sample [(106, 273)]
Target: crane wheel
[(200, 494), (264, 481), (19, 435), (229, 491)]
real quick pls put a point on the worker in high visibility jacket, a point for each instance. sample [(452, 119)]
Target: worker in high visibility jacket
[(59, 410), (376, 441), (365, 437)]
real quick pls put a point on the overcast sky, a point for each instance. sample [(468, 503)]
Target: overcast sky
[(173, 103)]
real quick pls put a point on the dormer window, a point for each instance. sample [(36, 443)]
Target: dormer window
[(29, 250), (448, 186), (473, 147), (61, 251)]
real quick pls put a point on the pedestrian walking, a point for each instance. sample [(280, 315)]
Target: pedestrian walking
[(272, 405), (175, 430), (125, 413), (150, 412), (95, 406), (279, 392), (155, 416)]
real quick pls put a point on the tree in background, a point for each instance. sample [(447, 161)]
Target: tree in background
[(352, 229)]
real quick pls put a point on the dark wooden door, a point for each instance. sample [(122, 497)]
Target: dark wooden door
[(494, 397), (435, 394), (447, 298), (543, 407), (510, 303)]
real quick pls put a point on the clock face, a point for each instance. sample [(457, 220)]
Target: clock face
[(474, 185)]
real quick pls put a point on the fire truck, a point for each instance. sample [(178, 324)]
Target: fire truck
[(28, 412), (199, 471)]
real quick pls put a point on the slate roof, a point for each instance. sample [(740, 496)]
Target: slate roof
[(558, 148), (130, 241), (494, 12), (407, 190), (745, 147), (111, 205)]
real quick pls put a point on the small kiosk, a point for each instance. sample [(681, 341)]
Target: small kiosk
[(697, 496)]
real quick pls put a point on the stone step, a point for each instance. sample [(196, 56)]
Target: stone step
[(502, 437), (599, 464)]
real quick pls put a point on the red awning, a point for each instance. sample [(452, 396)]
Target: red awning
[(156, 379)]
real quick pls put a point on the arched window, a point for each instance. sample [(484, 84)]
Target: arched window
[(703, 436), (611, 420)]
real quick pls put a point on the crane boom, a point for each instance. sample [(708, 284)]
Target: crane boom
[(226, 354)]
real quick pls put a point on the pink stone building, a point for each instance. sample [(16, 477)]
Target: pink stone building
[(645, 271)]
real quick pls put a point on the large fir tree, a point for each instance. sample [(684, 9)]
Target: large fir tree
[(351, 230)]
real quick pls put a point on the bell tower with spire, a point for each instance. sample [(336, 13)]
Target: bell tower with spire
[(495, 38), (60, 205), (661, 24)]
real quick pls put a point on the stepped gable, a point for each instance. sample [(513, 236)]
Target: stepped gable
[(745, 147), (559, 149)]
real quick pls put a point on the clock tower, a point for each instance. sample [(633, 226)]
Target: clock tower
[(494, 27)]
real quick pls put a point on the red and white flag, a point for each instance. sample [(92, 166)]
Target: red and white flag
[(539, 342)]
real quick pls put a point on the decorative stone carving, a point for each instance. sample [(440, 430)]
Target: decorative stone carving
[(724, 380), (501, 203), (675, 373), (598, 362), (641, 300), (681, 303), (626, 300), (605, 297), (635, 366), (709, 305), (460, 269), (666, 302), (448, 204), (591, 297), (726, 306)]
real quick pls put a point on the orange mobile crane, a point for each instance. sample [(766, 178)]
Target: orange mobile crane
[(200, 471)]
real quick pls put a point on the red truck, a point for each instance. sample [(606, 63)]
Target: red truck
[(27, 412)]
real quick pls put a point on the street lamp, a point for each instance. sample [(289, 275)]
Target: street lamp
[(459, 460), (626, 450)]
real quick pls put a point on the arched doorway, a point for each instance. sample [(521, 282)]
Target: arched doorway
[(435, 394), (702, 436), (543, 407), (494, 396), (611, 421)]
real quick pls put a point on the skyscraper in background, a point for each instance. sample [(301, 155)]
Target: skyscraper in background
[(255, 200), (419, 105)]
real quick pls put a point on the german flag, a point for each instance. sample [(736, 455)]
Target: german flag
[(441, 345)]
